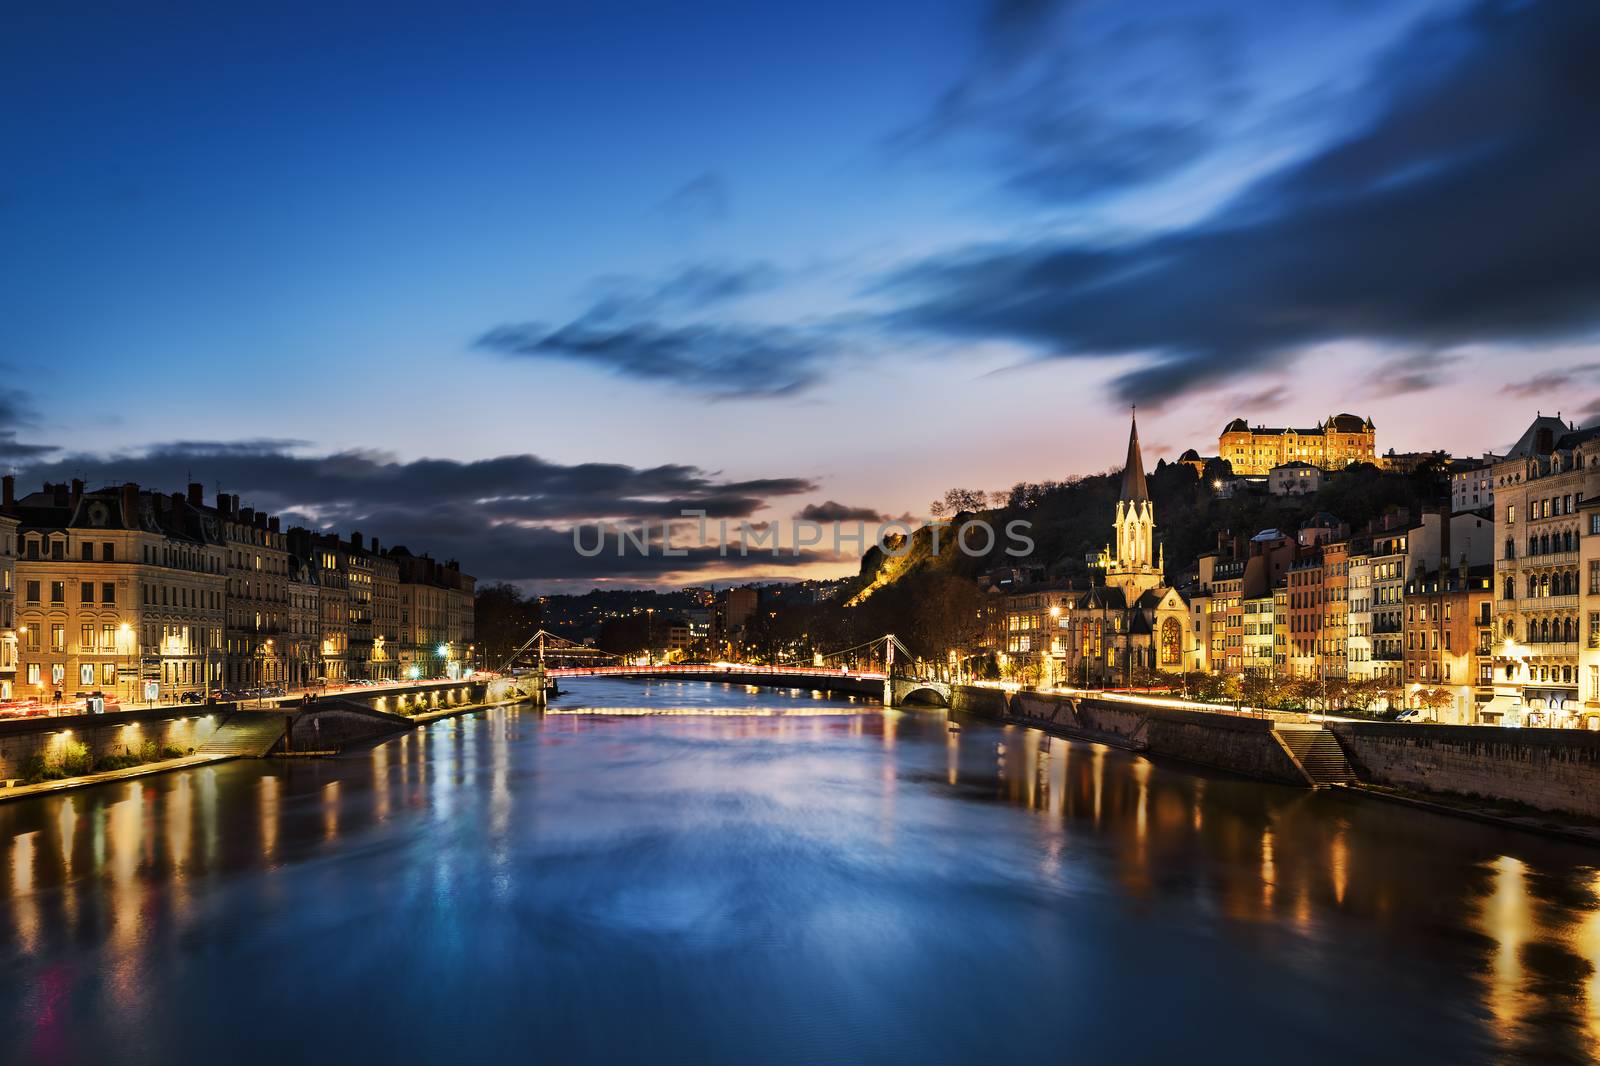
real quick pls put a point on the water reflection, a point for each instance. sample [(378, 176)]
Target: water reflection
[(774, 877)]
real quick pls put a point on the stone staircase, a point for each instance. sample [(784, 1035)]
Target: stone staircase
[(248, 734), (1318, 752)]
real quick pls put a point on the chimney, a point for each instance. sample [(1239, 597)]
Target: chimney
[(9, 483), (272, 523), (355, 540), (247, 516), (375, 546), (130, 505), (77, 490), (197, 494), (261, 520)]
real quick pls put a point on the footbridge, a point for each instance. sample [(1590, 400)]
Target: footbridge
[(821, 679), (866, 669)]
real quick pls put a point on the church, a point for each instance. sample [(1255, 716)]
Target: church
[(1133, 620)]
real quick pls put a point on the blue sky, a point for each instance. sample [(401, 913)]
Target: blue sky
[(797, 252)]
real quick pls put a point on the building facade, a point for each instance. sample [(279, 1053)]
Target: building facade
[(1449, 625), (1540, 488), (256, 642), (1332, 444), (122, 593)]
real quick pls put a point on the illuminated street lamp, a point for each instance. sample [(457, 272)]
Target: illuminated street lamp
[(124, 649)]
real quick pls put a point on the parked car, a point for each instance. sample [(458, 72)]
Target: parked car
[(192, 696)]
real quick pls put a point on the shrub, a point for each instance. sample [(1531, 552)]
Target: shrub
[(75, 759)]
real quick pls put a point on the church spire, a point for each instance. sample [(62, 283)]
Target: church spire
[(1133, 486)]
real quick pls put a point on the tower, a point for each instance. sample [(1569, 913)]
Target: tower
[(1134, 566)]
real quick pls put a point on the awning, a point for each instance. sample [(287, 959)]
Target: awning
[(1504, 707)]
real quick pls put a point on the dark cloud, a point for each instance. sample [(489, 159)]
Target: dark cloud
[(693, 287), (701, 199), (1040, 105), (1550, 381), (508, 517), (1252, 401), (718, 360), (17, 415), (1418, 372), (833, 511), (630, 330), (1463, 211)]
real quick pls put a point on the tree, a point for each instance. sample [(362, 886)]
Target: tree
[(955, 501), (504, 619), (1432, 699)]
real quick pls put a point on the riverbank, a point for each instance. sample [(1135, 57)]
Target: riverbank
[(219, 732), (1545, 782), (106, 777)]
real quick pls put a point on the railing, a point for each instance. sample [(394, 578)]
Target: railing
[(713, 668), (1538, 559)]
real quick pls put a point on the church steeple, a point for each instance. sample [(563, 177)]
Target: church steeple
[(1133, 486), (1134, 566)]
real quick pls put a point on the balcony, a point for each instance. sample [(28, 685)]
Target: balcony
[(1542, 650), (1534, 562)]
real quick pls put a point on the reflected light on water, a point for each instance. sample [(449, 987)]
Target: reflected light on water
[(25, 908), (1508, 919), (781, 881)]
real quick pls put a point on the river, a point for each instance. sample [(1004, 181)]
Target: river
[(696, 873)]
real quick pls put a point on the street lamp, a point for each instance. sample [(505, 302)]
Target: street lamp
[(124, 645)]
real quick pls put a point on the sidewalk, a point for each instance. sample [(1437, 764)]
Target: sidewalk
[(161, 766)]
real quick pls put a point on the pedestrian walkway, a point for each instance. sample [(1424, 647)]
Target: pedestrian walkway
[(105, 777)]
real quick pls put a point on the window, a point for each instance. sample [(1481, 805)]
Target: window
[(108, 592), (86, 592), (108, 637), (58, 637), (86, 674), (108, 552), (33, 592), (33, 674), (87, 551), (86, 638), (108, 674), (58, 592)]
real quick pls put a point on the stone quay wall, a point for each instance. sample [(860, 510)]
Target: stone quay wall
[(106, 734), (1549, 769), (1237, 743)]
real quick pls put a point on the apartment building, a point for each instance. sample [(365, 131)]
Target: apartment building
[(122, 592), (1540, 488)]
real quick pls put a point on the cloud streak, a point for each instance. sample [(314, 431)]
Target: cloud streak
[(635, 329)]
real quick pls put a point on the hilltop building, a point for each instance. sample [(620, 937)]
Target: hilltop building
[(1333, 444)]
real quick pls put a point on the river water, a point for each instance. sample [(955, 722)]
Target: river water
[(696, 873)]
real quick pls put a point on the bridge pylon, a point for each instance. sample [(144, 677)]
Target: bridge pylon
[(544, 647)]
